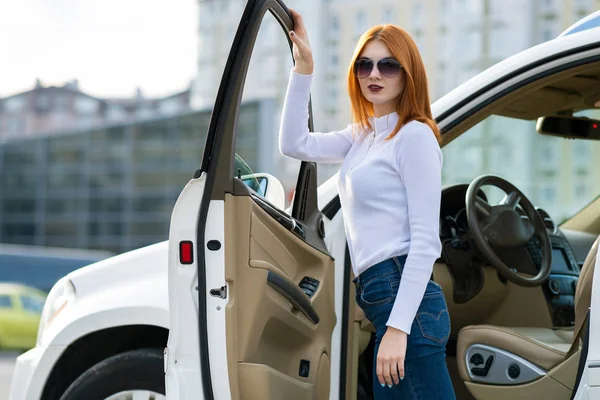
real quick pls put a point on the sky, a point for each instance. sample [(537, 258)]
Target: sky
[(110, 46)]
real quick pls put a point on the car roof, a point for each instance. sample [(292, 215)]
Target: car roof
[(520, 60), (592, 21), (18, 288)]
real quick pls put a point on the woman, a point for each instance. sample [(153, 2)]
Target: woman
[(390, 188)]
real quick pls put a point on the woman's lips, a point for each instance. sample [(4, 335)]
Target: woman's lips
[(375, 88)]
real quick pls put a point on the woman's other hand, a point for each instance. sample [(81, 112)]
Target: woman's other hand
[(301, 49), (390, 357)]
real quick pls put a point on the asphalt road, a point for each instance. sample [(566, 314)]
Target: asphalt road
[(7, 362)]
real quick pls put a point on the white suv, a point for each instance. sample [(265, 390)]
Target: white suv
[(247, 302)]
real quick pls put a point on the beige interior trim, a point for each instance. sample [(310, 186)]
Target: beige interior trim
[(522, 103), (566, 372), (352, 352), (523, 306), (498, 303), (460, 390), (583, 291), (566, 334), (358, 340), (258, 381), (544, 388), (267, 337), (586, 220), (537, 345), (557, 385), (544, 347)]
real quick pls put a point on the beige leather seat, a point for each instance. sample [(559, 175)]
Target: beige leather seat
[(545, 348)]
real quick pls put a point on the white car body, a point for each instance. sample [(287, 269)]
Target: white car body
[(135, 288)]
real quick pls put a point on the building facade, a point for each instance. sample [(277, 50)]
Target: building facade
[(47, 109), (110, 188)]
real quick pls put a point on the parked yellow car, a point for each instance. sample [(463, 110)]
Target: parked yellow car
[(20, 311)]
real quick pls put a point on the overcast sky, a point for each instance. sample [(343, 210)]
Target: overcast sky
[(110, 46)]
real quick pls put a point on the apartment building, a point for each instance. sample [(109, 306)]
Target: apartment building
[(457, 39), (46, 109)]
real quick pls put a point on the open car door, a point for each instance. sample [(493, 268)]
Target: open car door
[(251, 290)]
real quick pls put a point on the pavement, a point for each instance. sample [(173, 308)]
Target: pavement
[(7, 363)]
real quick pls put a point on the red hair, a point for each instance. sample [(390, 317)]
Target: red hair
[(413, 103)]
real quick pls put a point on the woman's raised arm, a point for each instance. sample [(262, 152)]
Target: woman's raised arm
[(295, 140)]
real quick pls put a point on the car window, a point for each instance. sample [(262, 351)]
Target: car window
[(556, 174), (245, 173), (260, 112), (32, 304), (5, 301)]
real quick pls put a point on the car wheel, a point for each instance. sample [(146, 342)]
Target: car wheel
[(136, 374)]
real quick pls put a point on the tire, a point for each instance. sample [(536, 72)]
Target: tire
[(126, 373)]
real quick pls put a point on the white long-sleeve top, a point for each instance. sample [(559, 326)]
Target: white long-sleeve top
[(389, 191)]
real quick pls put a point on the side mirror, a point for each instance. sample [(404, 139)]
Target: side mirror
[(267, 186), (569, 127)]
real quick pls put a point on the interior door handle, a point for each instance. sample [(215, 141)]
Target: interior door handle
[(294, 294)]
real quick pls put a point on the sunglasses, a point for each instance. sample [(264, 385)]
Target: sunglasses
[(389, 67)]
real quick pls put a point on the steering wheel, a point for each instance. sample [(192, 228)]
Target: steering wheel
[(501, 226)]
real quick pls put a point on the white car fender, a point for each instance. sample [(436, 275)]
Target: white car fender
[(129, 289)]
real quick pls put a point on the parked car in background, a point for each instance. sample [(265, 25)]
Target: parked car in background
[(20, 311)]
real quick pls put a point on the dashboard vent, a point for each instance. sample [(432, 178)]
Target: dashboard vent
[(548, 222)]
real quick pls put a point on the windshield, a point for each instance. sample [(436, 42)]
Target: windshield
[(556, 174)]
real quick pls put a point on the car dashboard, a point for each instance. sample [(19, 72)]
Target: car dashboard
[(458, 248)]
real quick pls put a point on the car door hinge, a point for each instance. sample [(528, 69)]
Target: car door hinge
[(221, 292)]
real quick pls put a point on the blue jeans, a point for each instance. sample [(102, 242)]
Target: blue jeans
[(426, 375)]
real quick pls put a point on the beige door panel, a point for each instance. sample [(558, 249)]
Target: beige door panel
[(358, 340), (265, 383), (267, 336), (269, 247)]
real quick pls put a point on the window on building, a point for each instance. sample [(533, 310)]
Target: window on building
[(360, 24), (5, 301), (549, 153), (443, 6), (42, 102), (580, 151), (32, 304), (549, 194), (61, 205), (388, 15), (86, 105), (334, 26), (581, 190), (61, 103), (21, 205), (15, 104), (105, 228)]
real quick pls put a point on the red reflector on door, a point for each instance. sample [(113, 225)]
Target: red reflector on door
[(186, 252)]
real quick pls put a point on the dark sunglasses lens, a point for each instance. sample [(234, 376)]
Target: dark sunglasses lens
[(363, 68), (389, 68)]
